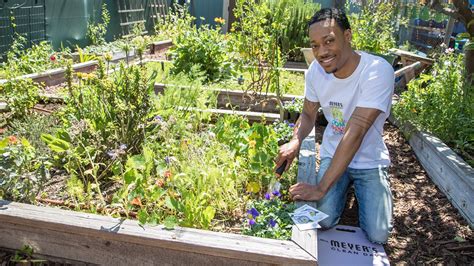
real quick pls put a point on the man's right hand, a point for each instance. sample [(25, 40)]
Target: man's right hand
[(288, 152)]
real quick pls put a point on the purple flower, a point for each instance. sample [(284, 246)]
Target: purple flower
[(112, 154), (272, 222), (123, 147), (276, 193), (291, 124), (253, 212), (267, 196), (159, 118), (167, 160), (251, 222)]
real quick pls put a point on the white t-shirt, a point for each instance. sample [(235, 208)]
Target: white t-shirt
[(370, 85)]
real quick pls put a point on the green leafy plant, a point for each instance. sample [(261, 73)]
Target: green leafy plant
[(373, 27), (21, 170), (439, 103), (20, 95), (21, 60), (205, 48), (96, 30), (106, 119), (176, 23), (31, 127), (256, 42), (25, 256), (256, 144), (269, 217), (83, 56), (294, 106), (284, 131), (166, 182)]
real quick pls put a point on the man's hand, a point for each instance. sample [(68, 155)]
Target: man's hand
[(307, 192), (288, 152)]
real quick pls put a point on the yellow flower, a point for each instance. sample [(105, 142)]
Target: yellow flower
[(108, 57), (80, 75), (252, 143), (219, 20)]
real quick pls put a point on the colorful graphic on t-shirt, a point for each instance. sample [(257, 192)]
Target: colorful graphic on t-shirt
[(338, 124)]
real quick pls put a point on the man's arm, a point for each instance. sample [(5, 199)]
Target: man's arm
[(357, 126), (307, 119)]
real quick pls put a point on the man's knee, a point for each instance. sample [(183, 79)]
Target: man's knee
[(329, 222), (378, 235)]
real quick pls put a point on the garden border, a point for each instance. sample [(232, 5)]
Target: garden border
[(446, 169), (56, 76), (157, 47), (100, 239)]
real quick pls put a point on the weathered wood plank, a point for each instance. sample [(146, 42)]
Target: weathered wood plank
[(104, 240), (307, 240), (408, 58), (160, 46), (405, 74), (242, 101), (56, 76), (448, 171), (251, 116)]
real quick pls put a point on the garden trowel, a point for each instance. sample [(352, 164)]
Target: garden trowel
[(274, 183)]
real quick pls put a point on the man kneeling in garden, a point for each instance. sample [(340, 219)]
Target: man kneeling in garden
[(354, 90)]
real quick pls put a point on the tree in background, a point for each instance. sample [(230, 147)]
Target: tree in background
[(459, 10)]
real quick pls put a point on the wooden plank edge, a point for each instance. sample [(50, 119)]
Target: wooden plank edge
[(48, 73), (456, 183), (413, 56), (464, 172), (246, 248), (285, 97), (307, 240)]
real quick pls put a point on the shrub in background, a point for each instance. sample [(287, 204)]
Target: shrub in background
[(373, 28), (205, 49), (439, 103), (295, 29)]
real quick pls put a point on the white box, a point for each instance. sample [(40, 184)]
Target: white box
[(348, 245)]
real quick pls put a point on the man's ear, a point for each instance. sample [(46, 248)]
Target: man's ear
[(348, 35)]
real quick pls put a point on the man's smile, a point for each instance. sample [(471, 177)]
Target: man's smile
[(327, 60)]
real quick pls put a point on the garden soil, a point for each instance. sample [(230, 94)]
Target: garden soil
[(427, 228)]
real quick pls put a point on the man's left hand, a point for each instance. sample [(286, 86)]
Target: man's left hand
[(306, 192)]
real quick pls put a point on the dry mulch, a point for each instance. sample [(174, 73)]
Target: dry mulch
[(427, 227)]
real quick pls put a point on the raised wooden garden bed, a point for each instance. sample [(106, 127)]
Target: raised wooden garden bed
[(160, 47), (239, 100), (57, 76), (446, 169), (96, 239), (408, 58)]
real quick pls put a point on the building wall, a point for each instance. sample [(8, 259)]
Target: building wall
[(66, 20)]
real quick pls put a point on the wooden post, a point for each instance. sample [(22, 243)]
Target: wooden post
[(308, 239), (449, 31)]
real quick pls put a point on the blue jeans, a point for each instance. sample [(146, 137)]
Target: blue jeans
[(372, 190)]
